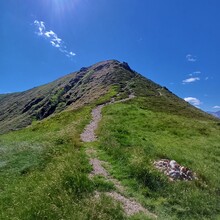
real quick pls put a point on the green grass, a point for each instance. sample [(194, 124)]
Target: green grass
[(44, 173), (44, 169), (111, 93), (132, 137)]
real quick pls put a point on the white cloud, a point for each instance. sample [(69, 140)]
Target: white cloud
[(191, 58), (193, 101), (40, 27), (216, 107), (206, 78), (54, 40), (54, 44), (66, 52), (190, 80), (197, 72), (49, 33), (72, 54)]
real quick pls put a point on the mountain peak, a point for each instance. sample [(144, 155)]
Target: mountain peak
[(83, 87), (107, 64), (73, 90)]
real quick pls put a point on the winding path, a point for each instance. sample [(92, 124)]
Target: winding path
[(88, 134), (129, 205)]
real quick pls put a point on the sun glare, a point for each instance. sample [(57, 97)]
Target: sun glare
[(61, 7)]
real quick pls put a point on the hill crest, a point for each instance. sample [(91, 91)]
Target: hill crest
[(83, 87)]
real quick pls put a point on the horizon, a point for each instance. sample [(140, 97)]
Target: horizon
[(175, 45)]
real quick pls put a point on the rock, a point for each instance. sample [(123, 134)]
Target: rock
[(83, 69), (173, 164), (173, 170)]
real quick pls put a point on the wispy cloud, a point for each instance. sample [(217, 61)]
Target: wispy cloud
[(193, 101), (41, 27), (216, 107), (191, 58), (52, 37), (190, 80), (195, 73)]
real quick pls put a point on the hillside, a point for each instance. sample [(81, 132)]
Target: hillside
[(18, 110), (91, 146)]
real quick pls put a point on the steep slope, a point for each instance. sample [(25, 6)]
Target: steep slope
[(76, 89), (18, 110)]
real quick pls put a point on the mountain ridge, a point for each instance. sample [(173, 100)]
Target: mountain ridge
[(76, 89)]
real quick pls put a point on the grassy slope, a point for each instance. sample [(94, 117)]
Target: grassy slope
[(44, 168), (44, 173), (17, 110), (132, 137)]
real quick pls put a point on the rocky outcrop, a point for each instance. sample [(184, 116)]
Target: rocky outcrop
[(174, 170), (33, 102)]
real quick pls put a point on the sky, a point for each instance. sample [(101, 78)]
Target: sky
[(175, 43)]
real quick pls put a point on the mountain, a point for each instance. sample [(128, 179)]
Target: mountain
[(18, 110), (216, 114), (107, 143)]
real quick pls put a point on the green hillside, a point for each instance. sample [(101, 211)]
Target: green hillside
[(17, 110), (45, 168), (132, 137)]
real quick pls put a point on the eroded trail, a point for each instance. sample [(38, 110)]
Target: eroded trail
[(129, 205), (88, 134)]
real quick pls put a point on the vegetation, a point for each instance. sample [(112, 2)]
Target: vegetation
[(44, 168), (132, 137), (17, 110), (44, 173)]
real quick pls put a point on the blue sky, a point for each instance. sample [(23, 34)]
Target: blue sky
[(175, 43)]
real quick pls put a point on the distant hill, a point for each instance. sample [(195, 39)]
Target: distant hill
[(83, 87), (216, 114)]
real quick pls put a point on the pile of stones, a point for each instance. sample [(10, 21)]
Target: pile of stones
[(174, 170)]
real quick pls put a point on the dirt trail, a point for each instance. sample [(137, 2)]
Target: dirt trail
[(129, 205), (98, 169), (88, 134)]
